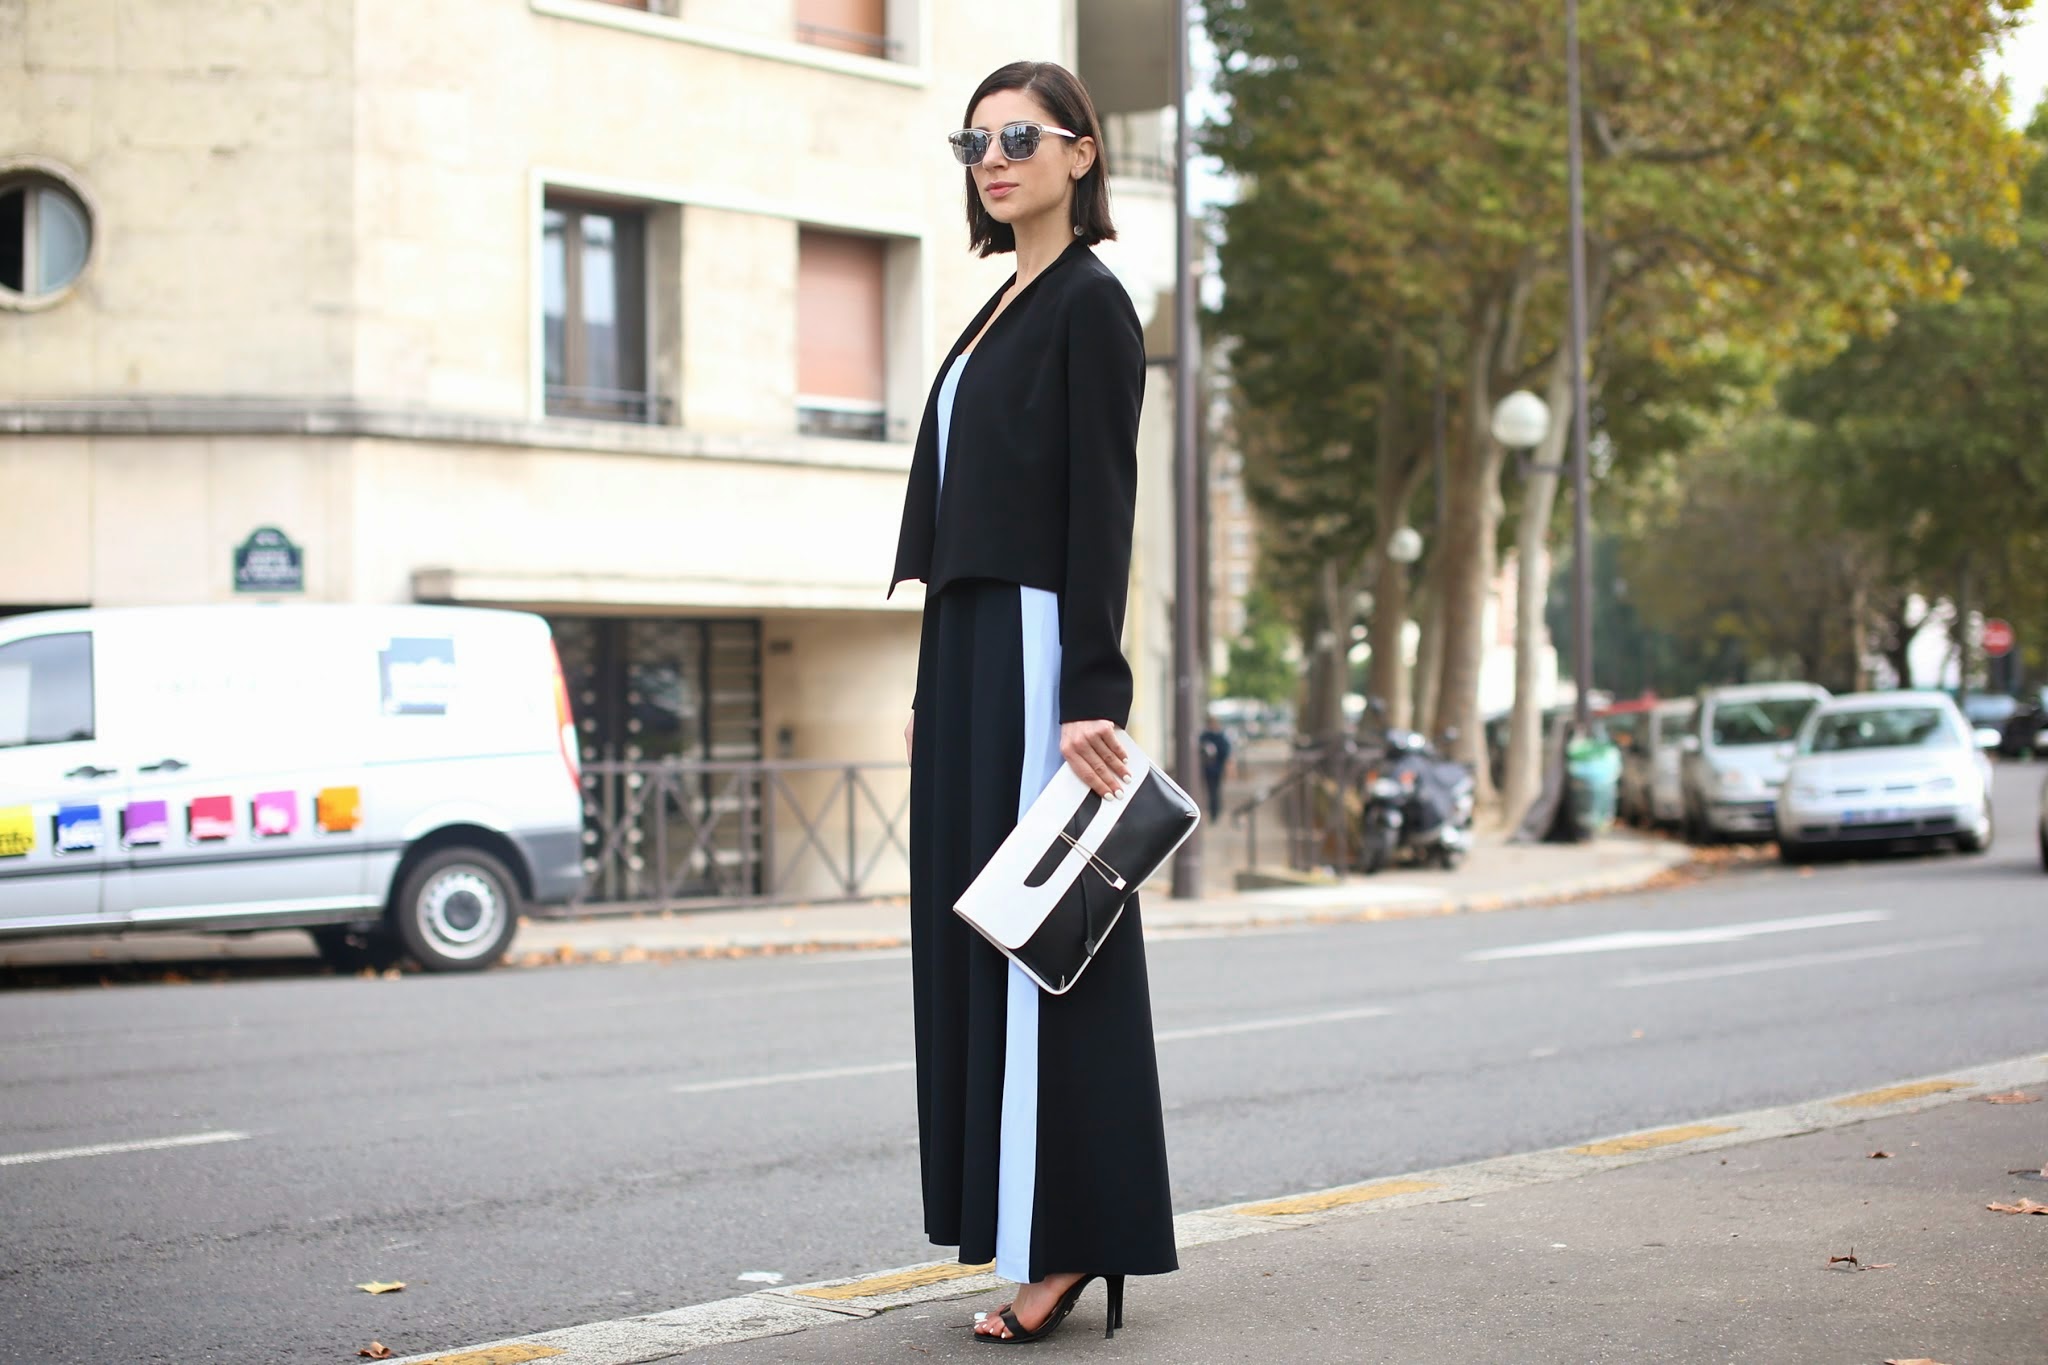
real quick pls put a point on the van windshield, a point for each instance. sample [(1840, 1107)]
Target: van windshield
[(1770, 720)]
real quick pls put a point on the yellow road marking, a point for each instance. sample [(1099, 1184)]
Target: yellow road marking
[(902, 1279), (1332, 1199), (513, 1354), (1663, 1137), (1893, 1094)]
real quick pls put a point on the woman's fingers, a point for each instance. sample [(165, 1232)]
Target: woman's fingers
[(1097, 757)]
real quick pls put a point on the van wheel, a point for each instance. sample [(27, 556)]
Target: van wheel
[(349, 949), (456, 910)]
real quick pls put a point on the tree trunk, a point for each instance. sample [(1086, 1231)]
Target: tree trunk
[(1471, 522), (1429, 657), (1393, 487), (1522, 774), (1328, 665)]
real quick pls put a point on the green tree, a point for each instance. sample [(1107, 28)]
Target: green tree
[(1262, 659), (1767, 178)]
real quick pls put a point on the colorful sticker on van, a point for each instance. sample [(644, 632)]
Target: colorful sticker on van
[(79, 829), (145, 824), (274, 813), (17, 831), (418, 675), (210, 818), (338, 810)]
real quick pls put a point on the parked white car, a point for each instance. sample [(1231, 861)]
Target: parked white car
[(1882, 767), (1663, 740), (1736, 754), (382, 776)]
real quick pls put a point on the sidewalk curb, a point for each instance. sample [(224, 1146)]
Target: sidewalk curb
[(796, 1308), (1267, 911)]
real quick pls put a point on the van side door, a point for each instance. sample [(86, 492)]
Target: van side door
[(58, 789), (243, 774)]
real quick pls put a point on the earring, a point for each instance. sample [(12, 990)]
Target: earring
[(1077, 229)]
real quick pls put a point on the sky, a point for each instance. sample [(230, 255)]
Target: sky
[(2024, 62)]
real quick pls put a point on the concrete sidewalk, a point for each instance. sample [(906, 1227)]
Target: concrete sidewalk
[(1722, 1255), (1854, 1228), (1496, 876)]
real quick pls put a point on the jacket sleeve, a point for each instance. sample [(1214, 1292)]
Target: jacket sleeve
[(1105, 385)]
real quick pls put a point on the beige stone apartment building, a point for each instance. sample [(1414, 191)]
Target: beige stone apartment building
[(623, 313)]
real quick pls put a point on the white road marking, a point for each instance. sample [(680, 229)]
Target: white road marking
[(835, 1073), (1781, 964), (1262, 1025), (829, 1073), (1678, 938), (111, 1148)]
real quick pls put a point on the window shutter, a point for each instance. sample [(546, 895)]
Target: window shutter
[(860, 26), (840, 341)]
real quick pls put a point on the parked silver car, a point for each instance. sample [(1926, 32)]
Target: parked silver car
[(1882, 768), (1735, 757)]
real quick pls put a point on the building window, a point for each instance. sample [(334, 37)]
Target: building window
[(857, 26), (1240, 541), (1240, 582), (841, 305), (594, 312), (45, 237)]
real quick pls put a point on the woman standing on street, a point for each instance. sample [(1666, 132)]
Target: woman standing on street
[(1041, 1140)]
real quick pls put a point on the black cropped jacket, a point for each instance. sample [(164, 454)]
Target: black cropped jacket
[(1041, 469)]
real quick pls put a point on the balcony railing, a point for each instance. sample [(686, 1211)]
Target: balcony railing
[(607, 405), (848, 40)]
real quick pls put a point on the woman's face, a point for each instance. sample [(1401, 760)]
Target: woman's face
[(1014, 192)]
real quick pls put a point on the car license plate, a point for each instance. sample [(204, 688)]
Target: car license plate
[(1872, 817)]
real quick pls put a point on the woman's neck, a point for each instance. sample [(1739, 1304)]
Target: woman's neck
[(1040, 241)]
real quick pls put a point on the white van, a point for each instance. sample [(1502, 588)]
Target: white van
[(392, 778)]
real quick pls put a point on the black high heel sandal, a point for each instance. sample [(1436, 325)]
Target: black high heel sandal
[(1018, 1336)]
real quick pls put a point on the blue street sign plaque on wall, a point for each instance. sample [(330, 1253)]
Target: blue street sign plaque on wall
[(268, 562)]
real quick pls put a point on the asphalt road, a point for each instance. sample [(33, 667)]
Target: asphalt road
[(532, 1149)]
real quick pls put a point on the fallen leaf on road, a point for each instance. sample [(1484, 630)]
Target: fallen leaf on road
[(1916, 1360), (1880, 1156), (382, 1286), (1882, 1265), (377, 1350), (2028, 1170), (2011, 1097), (2024, 1206), (1850, 1258)]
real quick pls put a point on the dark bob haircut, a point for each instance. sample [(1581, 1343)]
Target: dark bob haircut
[(1066, 99)]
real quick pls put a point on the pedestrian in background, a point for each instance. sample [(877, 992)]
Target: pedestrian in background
[(1215, 746), (1041, 1142)]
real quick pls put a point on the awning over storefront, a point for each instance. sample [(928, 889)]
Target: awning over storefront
[(483, 588)]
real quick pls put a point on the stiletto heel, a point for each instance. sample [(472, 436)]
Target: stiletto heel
[(1058, 1315)]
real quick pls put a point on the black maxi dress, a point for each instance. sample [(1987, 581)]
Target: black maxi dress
[(1041, 1141)]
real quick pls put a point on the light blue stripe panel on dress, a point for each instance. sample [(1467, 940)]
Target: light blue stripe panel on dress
[(1017, 1157), (947, 392)]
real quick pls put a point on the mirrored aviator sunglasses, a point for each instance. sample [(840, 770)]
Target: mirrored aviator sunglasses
[(1020, 141)]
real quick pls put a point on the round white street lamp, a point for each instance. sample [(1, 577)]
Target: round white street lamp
[(1521, 420), (1405, 545)]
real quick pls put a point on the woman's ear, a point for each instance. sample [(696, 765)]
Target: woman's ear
[(1084, 156)]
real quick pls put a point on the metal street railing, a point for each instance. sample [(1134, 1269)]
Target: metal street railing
[(701, 834)]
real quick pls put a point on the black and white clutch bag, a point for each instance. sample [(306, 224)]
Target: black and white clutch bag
[(1052, 892)]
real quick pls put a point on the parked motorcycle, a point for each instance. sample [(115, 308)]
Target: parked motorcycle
[(1418, 806)]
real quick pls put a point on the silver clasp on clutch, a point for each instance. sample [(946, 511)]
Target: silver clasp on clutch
[(1108, 873)]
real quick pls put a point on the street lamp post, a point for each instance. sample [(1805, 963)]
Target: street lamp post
[(1582, 534), (1189, 691)]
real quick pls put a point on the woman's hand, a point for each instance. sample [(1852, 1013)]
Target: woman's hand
[(1092, 750), (908, 726)]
